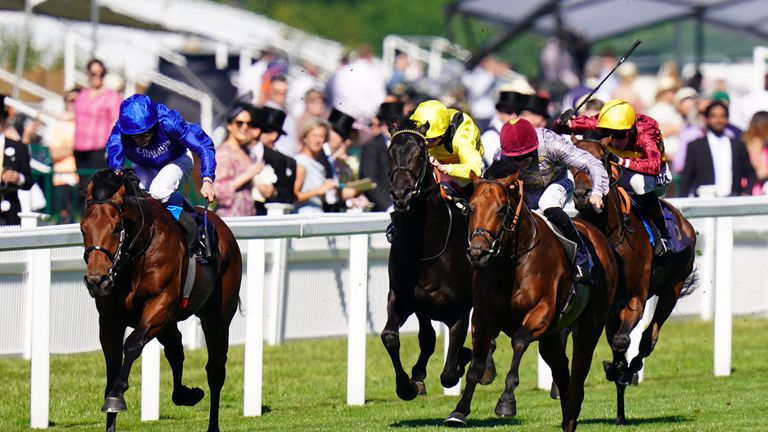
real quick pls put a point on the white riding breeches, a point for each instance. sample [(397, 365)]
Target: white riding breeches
[(163, 182)]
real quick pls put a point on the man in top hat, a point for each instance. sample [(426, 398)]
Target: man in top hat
[(334, 158), (373, 160), (15, 172), (269, 122), (509, 105), (536, 111)]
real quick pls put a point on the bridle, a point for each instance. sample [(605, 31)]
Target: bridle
[(507, 226), (119, 258), (425, 157)]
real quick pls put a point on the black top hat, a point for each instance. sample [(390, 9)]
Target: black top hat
[(272, 120), (591, 136), (341, 123), (511, 102), (257, 115), (3, 112), (390, 111), (537, 105)]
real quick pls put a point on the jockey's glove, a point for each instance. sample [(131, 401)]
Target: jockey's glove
[(613, 157)]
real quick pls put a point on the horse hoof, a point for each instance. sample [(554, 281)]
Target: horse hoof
[(421, 388), (449, 382), (554, 392), (113, 404), (407, 392), (186, 396), (456, 419), (635, 379), (506, 409), (620, 421)]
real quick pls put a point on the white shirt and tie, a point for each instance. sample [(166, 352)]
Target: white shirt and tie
[(722, 160)]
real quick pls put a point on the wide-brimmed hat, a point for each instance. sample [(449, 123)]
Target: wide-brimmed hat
[(341, 122), (511, 102), (390, 111), (272, 120), (537, 105)]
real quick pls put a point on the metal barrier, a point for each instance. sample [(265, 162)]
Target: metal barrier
[(256, 230)]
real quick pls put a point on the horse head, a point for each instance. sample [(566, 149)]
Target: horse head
[(495, 208), (582, 180), (408, 160), (104, 229)]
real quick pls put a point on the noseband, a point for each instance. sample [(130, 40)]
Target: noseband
[(425, 155), (118, 259), (496, 238)]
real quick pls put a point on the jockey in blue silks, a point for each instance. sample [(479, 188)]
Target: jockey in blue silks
[(160, 144)]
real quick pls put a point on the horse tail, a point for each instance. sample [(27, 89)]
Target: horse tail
[(691, 282)]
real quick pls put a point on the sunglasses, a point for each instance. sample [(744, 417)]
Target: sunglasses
[(615, 134), (96, 74), (240, 123)]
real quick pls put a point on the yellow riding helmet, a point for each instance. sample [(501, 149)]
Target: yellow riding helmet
[(436, 114), (617, 115)]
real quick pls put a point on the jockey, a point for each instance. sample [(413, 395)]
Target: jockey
[(160, 143), (542, 158), (635, 144)]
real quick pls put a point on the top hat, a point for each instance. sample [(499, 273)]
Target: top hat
[(537, 105), (257, 115), (341, 123), (390, 111), (511, 102), (3, 112), (272, 120)]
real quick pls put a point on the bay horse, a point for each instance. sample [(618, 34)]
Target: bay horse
[(642, 275), (136, 265), (522, 281), (429, 275)]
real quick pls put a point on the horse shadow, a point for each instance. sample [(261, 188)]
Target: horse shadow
[(476, 423), (637, 421)]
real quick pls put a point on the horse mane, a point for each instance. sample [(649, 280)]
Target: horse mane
[(501, 168), (106, 182)]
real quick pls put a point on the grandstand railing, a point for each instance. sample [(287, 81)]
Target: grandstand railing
[(255, 230)]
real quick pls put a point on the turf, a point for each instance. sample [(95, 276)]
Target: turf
[(305, 385)]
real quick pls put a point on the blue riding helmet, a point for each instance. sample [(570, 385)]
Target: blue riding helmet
[(137, 115)]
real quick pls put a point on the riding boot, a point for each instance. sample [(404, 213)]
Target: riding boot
[(583, 270), (190, 227), (651, 207)]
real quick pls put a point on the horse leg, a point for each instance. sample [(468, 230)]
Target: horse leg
[(629, 316), (554, 393), (458, 355), (111, 338), (216, 330), (114, 402), (507, 405), (427, 340), (482, 335), (490, 366), (584, 343), (174, 353), (553, 352), (390, 337)]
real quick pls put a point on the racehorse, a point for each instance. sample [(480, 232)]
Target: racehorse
[(136, 266), (429, 274), (522, 284), (669, 277)]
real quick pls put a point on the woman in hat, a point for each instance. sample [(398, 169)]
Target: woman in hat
[(15, 172), (160, 144), (542, 158)]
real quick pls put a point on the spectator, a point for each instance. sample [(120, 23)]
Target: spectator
[(669, 119), (745, 107), (314, 107), (249, 81), (373, 161), (301, 84), (276, 98), (342, 167), (509, 105), (536, 111), (234, 168), (285, 166), (96, 109), (717, 159), (359, 87), (311, 183), (756, 140), (60, 146), (481, 83), (626, 90), (15, 172)]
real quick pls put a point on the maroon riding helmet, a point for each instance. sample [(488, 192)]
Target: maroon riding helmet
[(518, 137)]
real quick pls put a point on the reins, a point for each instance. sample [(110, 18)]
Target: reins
[(497, 238)]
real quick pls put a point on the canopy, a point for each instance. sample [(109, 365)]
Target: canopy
[(80, 10), (598, 20)]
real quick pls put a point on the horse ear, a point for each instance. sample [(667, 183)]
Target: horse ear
[(424, 128), (119, 196), (508, 180), (474, 178)]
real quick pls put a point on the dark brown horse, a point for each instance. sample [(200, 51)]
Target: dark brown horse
[(642, 275), (428, 272), (136, 258), (522, 282)]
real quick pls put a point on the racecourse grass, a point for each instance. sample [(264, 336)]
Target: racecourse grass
[(305, 390)]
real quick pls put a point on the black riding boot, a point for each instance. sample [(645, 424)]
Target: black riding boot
[(651, 207), (190, 227), (561, 220)]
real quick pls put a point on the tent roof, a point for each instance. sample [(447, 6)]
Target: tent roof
[(600, 19), (80, 10)]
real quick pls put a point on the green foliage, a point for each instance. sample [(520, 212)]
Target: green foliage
[(9, 51), (305, 390)]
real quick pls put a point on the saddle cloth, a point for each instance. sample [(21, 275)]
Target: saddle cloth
[(677, 242)]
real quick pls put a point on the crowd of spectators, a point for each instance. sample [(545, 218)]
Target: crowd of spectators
[(318, 142)]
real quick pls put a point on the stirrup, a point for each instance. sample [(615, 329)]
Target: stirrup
[(661, 248)]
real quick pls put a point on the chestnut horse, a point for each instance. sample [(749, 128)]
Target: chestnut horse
[(136, 257), (642, 275), (522, 282), (429, 275)]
